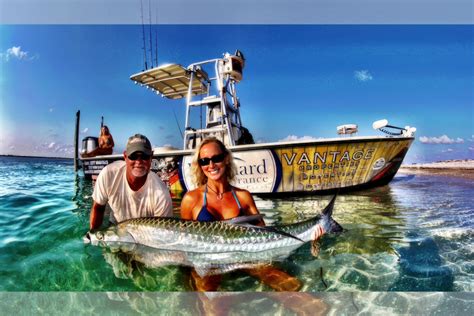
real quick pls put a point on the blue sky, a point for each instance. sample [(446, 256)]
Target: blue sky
[(299, 81)]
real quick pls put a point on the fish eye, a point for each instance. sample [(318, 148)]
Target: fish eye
[(100, 235)]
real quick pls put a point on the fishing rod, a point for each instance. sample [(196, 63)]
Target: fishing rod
[(177, 123), (143, 35), (151, 36), (156, 37)]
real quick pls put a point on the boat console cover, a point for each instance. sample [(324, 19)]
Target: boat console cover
[(172, 80)]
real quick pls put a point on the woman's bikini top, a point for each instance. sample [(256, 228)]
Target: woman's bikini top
[(204, 214), (107, 140)]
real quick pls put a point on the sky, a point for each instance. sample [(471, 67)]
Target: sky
[(300, 81)]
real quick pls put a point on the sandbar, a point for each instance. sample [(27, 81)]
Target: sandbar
[(453, 168)]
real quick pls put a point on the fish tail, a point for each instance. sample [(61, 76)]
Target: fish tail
[(334, 226), (328, 209)]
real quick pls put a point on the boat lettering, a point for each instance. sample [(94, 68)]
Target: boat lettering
[(96, 162), (352, 164), (305, 176), (345, 156), (245, 170), (328, 157), (253, 171), (256, 171), (289, 161), (304, 158), (252, 180)]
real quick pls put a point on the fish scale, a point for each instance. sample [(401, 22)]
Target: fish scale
[(201, 235)]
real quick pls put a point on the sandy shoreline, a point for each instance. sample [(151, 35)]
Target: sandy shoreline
[(452, 168)]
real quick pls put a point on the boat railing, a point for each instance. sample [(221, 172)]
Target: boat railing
[(222, 109)]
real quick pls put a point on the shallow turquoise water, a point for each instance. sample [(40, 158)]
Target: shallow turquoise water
[(415, 234)]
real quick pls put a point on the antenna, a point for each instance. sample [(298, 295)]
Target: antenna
[(151, 37), (143, 32)]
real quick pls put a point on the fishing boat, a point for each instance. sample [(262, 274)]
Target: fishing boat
[(345, 162)]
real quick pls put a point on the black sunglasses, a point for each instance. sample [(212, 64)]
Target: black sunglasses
[(139, 156), (214, 159)]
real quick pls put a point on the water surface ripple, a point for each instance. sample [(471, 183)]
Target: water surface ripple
[(415, 234)]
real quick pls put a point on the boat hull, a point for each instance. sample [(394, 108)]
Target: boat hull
[(289, 168)]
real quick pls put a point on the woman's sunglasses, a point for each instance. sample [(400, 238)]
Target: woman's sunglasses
[(214, 159), (139, 156)]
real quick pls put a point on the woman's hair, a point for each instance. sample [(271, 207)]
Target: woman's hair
[(104, 128), (198, 175)]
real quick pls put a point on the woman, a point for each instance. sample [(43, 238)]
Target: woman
[(106, 141), (216, 199), (106, 144)]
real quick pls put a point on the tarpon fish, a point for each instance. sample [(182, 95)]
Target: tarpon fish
[(217, 237)]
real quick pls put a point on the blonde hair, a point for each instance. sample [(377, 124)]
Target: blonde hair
[(198, 175), (104, 128)]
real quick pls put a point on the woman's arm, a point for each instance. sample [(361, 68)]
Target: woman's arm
[(187, 205), (248, 204)]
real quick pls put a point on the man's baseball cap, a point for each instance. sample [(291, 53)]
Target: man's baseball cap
[(138, 142)]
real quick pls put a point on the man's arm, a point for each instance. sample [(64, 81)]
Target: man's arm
[(167, 208), (162, 203), (97, 215)]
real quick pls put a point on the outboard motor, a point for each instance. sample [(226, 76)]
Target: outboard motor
[(89, 144)]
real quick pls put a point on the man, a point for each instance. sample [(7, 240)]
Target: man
[(129, 188)]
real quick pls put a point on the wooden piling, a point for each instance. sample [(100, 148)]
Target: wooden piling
[(76, 142)]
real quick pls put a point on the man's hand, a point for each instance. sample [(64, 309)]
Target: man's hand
[(97, 216)]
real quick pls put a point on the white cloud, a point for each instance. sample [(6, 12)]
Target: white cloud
[(61, 149), (291, 138), (15, 52), (471, 148), (51, 110), (85, 130), (363, 75), (444, 139), (66, 149), (12, 147), (447, 150)]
